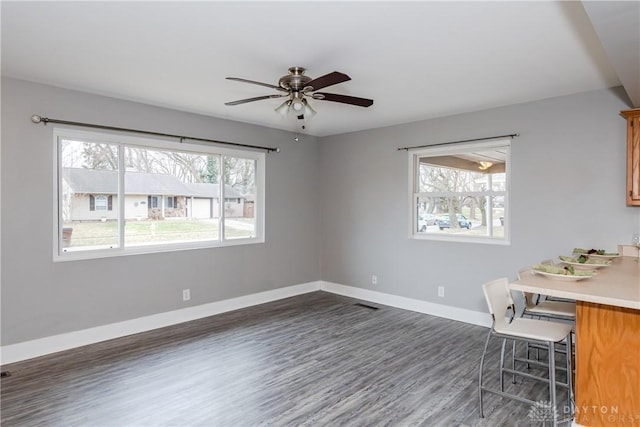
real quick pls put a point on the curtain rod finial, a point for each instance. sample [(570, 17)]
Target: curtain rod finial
[(36, 119)]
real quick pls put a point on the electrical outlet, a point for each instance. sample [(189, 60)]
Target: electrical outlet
[(441, 291), (374, 279), (186, 294)]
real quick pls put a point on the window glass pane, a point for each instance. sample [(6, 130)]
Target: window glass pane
[(498, 182), (435, 178), (498, 220), (461, 192), (434, 215), (89, 177), (240, 197), (170, 197), (426, 217)]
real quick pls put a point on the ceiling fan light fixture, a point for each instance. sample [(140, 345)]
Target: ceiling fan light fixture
[(308, 111), (297, 105), (283, 109)]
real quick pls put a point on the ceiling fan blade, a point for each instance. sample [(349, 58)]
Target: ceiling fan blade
[(237, 79), (257, 98), (352, 100), (328, 80)]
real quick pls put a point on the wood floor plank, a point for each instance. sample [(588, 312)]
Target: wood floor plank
[(311, 360)]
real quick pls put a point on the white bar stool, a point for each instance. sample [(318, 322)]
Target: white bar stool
[(545, 309), (549, 333), (551, 309)]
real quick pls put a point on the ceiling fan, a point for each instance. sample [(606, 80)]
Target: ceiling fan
[(297, 87)]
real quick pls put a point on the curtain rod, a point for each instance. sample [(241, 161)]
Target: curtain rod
[(38, 119), (512, 135)]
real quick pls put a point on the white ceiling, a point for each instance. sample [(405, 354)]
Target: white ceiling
[(417, 60)]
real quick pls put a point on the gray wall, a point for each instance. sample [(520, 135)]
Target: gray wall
[(567, 190), (336, 210), (42, 298)]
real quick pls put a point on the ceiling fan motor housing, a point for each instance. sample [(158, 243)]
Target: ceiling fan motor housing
[(295, 81)]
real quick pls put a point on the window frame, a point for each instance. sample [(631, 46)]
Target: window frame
[(155, 202), (59, 254), (171, 202), (101, 197), (452, 149)]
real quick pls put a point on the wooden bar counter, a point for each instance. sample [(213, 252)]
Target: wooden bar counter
[(607, 340)]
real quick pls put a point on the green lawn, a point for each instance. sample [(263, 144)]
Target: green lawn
[(150, 231)]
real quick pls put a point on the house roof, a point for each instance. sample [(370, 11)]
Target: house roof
[(203, 189), (92, 181)]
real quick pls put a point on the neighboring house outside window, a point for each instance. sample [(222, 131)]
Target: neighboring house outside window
[(460, 192)]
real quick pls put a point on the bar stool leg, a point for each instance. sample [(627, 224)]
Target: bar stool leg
[(569, 356), (484, 353), (504, 343), (552, 382), (513, 362)]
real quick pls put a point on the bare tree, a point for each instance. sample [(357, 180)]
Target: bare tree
[(239, 173), (448, 180), (188, 167), (100, 156)]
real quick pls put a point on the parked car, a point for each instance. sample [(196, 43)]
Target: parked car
[(444, 222), (425, 220)]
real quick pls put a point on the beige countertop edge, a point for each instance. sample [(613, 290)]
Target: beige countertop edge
[(579, 296)]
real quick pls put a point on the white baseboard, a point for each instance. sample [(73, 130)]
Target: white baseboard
[(52, 344), (420, 306)]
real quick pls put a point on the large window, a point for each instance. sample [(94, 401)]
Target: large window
[(120, 195), (460, 192)]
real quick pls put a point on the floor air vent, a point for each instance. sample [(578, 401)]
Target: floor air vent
[(370, 307)]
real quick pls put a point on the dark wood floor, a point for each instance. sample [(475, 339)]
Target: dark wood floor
[(313, 360)]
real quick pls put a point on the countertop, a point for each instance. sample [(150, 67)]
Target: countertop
[(617, 285)]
